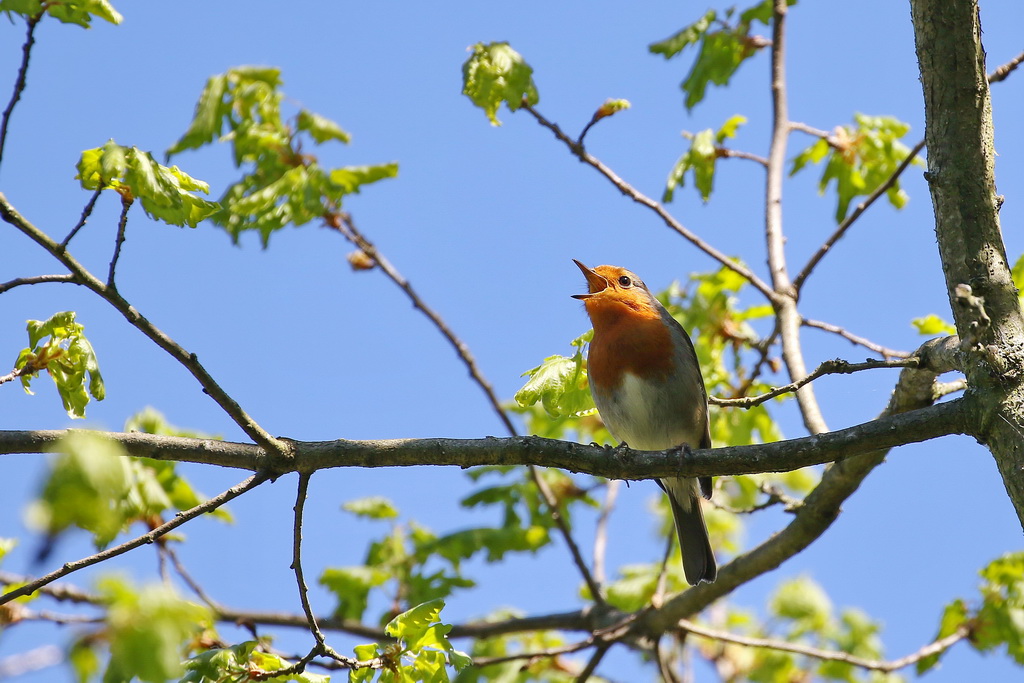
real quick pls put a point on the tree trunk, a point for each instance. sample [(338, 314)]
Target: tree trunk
[(961, 177)]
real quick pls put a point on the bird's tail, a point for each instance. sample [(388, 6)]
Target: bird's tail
[(698, 558)]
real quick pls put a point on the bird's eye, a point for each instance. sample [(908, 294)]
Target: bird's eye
[(625, 281)]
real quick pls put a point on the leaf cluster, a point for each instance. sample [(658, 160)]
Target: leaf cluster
[(94, 485), (495, 74), (722, 46), (80, 12), (165, 192), (860, 159), (421, 650), (998, 621), (282, 184), (67, 356), (705, 150), (245, 661)]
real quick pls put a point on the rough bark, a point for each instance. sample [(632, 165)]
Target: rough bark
[(961, 178)]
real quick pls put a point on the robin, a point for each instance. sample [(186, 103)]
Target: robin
[(649, 391)]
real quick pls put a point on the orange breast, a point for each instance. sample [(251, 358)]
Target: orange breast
[(627, 340)]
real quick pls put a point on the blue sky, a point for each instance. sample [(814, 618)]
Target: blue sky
[(484, 222)]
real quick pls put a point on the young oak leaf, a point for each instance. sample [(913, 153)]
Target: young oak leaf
[(165, 192), (496, 74)]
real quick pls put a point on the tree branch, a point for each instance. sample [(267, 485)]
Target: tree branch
[(182, 517), (933, 648), (854, 339), (35, 280), (110, 295), (828, 367), (886, 432), (19, 83), (86, 212), (961, 179), (640, 198), (1001, 72), (786, 293), (122, 223), (347, 228)]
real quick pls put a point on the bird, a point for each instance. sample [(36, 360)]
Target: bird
[(649, 391)]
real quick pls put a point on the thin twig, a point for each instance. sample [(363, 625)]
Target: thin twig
[(667, 675), (808, 268), (1001, 72), (86, 212), (347, 228), (19, 83), (537, 654), (611, 492), (640, 198), (321, 647), (775, 497), (35, 280), (189, 360), (737, 154), (189, 581), (764, 348), (300, 504), (853, 338), (933, 648), (179, 519), (811, 130), (563, 527), (122, 223), (15, 374), (599, 652), (828, 367)]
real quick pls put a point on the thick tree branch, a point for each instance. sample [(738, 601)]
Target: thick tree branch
[(309, 456), (111, 296), (961, 178)]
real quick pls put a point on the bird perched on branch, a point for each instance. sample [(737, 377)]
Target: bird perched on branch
[(650, 393)]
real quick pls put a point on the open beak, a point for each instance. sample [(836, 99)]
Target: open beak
[(595, 282)]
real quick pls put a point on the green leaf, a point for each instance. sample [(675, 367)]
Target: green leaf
[(802, 601), (860, 159), (373, 507), (146, 629), (165, 193), (80, 12), (67, 356), (320, 128), (94, 486), (496, 74), (351, 178), (352, 587), (689, 35), (720, 51), (932, 325), (953, 617), (559, 383), (1000, 621), (700, 159)]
